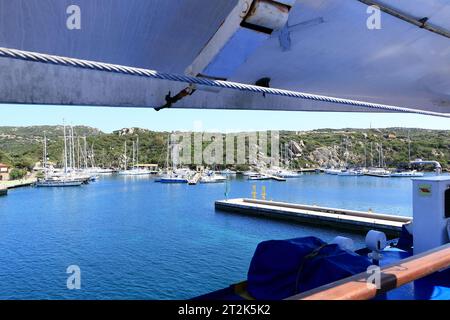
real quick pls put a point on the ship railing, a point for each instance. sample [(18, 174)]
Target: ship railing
[(360, 286)]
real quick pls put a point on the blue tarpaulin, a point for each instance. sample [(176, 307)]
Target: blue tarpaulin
[(283, 268)]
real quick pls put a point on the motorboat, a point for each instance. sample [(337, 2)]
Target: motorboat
[(172, 178), (407, 174), (258, 176), (351, 173), (249, 173), (333, 171), (378, 172), (227, 172)]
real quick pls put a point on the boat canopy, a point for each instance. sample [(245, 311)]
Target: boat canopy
[(395, 54)]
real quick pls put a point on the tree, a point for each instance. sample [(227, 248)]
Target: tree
[(17, 174)]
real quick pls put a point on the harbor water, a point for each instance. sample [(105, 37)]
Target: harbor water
[(136, 239)]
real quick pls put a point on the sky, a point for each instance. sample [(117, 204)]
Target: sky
[(110, 119)]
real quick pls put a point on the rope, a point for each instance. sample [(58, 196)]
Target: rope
[(112, 68)]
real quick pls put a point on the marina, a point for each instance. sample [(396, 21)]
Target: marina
[(133, 226), (253, 150)]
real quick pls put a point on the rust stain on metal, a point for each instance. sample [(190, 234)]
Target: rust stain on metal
[(276, 5)]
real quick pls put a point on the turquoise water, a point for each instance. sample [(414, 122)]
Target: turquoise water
[(136, 239)]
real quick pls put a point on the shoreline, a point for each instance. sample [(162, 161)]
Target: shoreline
[(13, 184)]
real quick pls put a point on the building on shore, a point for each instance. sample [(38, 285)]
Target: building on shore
[(4, 172)]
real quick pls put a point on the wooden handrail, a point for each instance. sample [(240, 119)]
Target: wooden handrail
[(393, 276)]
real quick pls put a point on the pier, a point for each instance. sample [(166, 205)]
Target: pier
[(195, 179), (3, 190), (17, 183), (358, 221)]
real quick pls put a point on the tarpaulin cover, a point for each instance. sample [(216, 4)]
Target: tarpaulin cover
[(405, 242), (282, 268)]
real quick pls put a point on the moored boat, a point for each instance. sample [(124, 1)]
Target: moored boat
[(58, 182), (407, 174), (258, 176), (351, 173), (378, 172)]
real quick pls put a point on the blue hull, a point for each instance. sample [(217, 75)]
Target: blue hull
[(172, 181)]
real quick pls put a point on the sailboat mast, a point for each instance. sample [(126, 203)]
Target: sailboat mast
[(371, 154), (70, 149), (409, 146), (137, 151), (79, 153), (44, 158), (346, 152), (379, 156), (92, 156), (73, 149), (126, 162), (365, 156), (134, 151), (167, 155), (65, 150), (85, 153)]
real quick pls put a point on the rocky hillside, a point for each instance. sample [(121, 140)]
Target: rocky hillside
[(22, 146), (359, 147)]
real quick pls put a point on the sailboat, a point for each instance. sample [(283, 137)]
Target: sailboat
[(380, 171), (54, 180), (173, 175), (93, 170), (135, 170), (333, 170), (283, 172), (407, 173), (349, 172)]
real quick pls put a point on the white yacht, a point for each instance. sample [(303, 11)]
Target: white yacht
[(258, 176), (287, 174), (228, 172), (351, 173), (212, 179), (209, 176), (282, 173), (407, 174), (378, 172), (102, 171), (171, 177), (333, 171)]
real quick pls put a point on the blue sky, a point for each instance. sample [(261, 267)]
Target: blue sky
[(109, 119)]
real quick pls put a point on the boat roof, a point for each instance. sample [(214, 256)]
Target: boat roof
[(325, 48)]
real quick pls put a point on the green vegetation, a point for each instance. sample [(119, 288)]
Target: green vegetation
[(21, 147), (16, 174)]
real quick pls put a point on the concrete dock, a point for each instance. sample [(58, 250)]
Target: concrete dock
[(3, 191), (18, 183), (358, 221)]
